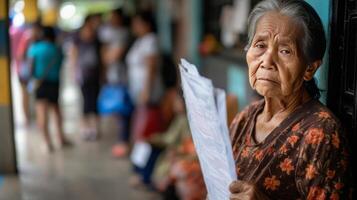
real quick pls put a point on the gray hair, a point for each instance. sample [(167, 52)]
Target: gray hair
[(314, 41)]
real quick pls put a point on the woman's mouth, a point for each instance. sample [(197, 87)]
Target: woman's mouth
[(268, 80)]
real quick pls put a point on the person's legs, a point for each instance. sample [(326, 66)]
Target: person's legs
[(90, 118), (42, 122), (58, 124), (25, 102), (84, 126), (94, 127), (148, 169), (90, 126), (85, 113), (142, 175), (125, 129), (52, 95), (121, 148)]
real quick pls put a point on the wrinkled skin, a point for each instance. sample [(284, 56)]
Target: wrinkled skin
[(277, 70), (276, 65), (241, 190)]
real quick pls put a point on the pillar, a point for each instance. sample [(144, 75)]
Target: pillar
[(7, 141)]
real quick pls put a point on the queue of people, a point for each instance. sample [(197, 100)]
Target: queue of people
[(120, 64)]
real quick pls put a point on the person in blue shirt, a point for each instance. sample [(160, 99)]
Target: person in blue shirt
[(46, 60)]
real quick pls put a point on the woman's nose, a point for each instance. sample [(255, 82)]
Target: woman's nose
[(268, 60)]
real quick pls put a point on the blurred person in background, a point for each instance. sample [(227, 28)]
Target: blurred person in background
[(145, 84), (86, 59), (162, 126), (96, 21), (177, 173), (30, 35), (146, 90), (115, 38), (46, 61)]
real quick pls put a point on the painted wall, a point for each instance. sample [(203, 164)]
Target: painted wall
[(238, 84), (4, 64), (230, 75), (163, 18), (31, 12), (196, 30), (323, 8)]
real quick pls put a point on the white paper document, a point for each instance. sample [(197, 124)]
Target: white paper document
[(140, 154), (207, 115)]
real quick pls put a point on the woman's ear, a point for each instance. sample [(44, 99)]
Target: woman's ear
[(311, 69)]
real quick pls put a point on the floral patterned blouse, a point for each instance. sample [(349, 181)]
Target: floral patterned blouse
[(305, 157)]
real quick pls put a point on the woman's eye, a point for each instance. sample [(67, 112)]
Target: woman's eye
[(285, 51), (259, 45)]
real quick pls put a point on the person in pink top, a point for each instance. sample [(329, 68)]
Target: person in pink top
[(24, 40)]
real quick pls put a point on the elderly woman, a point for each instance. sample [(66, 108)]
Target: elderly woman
[(288, 145)]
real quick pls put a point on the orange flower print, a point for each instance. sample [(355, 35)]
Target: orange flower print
[(324, 115), (335, 196), (296, 127), (283, 149), (245, 152), (310, 172), (316, 193), (335, 141), (286, 166), (338, 186), (331, 174), (259, 155), (293, 139), (271, 183), (315, 136)]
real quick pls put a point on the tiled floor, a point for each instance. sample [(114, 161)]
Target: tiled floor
[(85, 171)]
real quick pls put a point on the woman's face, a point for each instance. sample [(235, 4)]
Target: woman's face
[(115, 19), (275, 61), (139, 27)]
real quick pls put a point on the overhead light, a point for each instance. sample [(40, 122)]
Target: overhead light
[(67, 11), (19, 6)]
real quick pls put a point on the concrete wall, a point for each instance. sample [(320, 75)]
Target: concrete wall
[(323, 8), (189, 28), (163, 17), (231, 75)]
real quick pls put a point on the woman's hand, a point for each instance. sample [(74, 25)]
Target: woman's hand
[(241, 190)]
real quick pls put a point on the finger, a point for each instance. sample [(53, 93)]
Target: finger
[(233, 197), (239, 196), (236, 186)]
